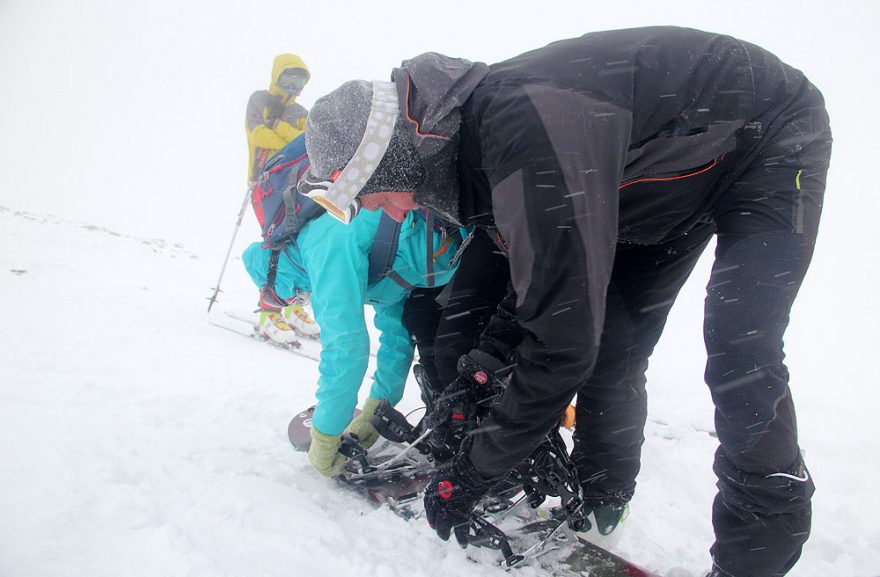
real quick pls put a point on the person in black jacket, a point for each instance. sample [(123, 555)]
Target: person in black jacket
[(603, 165)]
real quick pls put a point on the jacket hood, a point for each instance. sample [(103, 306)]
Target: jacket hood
[(432, 88), (281, 63)]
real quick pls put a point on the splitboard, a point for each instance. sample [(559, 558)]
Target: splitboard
[(388, 479), (398, 481)]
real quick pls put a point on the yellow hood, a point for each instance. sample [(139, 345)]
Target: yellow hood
[(281, 63)]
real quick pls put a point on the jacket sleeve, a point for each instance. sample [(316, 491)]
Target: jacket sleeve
[(395, 355), (337, 266), (295, 115), (292, 122), (554, 158), (286, 131), (261, 118)]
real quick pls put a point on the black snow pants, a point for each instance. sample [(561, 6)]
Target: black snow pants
[(766, 220)]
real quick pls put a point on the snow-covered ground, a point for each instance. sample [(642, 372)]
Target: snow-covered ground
[(136, 439)]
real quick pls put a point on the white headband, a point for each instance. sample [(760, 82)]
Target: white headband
[(384, 111)]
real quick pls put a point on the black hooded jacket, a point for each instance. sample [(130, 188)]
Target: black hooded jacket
[(553, 148)]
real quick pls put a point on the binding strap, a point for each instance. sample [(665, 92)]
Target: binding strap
[(273, 269)]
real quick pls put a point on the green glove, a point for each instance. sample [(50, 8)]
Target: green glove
[(366, 433), (324, 453)]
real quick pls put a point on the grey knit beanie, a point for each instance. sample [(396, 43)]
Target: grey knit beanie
[(335, 127)]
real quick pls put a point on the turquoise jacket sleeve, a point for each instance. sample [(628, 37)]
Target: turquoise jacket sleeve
[(337, 258), (395, 352)]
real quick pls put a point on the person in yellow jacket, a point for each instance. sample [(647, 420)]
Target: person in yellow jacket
[(273, 119)]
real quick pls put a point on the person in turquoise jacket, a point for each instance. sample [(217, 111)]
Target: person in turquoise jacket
[(331, 261)]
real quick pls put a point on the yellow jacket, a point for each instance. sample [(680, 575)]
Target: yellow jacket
[(273, 116)]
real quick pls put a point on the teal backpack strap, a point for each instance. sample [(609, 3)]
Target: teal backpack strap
[(429, 261), (399, 280), (384, 251)]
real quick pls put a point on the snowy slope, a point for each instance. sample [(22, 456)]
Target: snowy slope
[(138, 440)]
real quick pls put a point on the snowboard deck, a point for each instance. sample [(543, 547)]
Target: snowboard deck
[(567, 555), (590, 560), (399, 487), (299, 431)]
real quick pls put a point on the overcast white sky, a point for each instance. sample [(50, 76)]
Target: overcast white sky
[(109, 106)]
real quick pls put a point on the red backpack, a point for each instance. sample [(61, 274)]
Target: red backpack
[(280, 209)]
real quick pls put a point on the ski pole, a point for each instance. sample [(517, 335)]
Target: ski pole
[(247, 197)]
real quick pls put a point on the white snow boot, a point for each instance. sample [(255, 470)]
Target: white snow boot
[(299, 316), (274, 328)]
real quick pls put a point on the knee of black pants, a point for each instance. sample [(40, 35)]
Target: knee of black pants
[(458, 333), (612, 405), (421, 317), (609, 433), (753, 284)]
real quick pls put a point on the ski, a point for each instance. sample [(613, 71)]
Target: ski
[(305, 338), (254, 335), (250, 321)]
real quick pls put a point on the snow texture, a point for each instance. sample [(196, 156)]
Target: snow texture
[(138, 440)]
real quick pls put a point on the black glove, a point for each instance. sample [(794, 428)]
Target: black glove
[(456, 410), (479, 381), (451, 496)]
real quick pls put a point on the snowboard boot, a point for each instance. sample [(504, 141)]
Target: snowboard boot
[(298, 315), (608, 517), (273, 327)]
